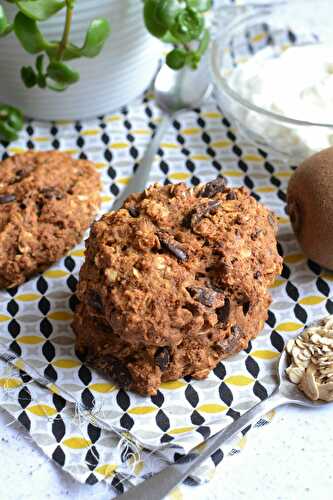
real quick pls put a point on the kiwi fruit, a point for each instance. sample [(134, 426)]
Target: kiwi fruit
[(310, 207)]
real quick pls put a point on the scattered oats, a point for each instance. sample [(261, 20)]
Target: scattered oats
[(111, 275), (295, 373), (228, 207), (304, 355), (308, 383), (328, 328), (296, 351), (136, 272), (315, 338), (312, 360), (311, 349), (302, 363), (290, 345), (325, 391), (325, 370), (245, 253), (160, 263), (298, 341)]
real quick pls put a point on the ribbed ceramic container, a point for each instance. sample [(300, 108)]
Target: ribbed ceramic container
[(119, 74)]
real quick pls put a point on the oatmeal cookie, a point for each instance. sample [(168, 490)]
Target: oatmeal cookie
[(181, 268), (47, 201)]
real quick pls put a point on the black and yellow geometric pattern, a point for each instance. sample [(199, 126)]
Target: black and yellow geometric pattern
[(84, 450), (35, 318)]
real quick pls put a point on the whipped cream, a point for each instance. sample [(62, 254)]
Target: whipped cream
[(297, 84)]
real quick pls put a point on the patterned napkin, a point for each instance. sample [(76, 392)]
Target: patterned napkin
[(83, 422), (69, 436), (89, 427)]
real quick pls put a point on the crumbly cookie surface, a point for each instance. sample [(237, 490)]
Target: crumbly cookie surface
[(47, 201), (143, 367), (181, 268)]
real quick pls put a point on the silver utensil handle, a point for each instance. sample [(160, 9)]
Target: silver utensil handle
[(158, 486), (140, 178)]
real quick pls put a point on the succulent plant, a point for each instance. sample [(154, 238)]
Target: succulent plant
[(180, 22), (51, 68)]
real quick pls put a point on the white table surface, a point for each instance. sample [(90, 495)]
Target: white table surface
[(290, 459)]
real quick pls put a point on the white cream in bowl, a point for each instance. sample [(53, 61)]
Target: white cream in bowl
[(297, 84)]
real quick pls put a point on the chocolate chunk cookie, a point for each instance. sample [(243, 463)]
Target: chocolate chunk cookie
[(178, 280), (47, 201)]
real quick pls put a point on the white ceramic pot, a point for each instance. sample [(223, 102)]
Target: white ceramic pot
[(119, 74)]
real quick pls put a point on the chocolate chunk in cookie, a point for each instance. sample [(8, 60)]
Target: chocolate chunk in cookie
[(95, 300), (213, 187), (172, 246), (230, 344), (223, 312), (162, 358), (52, 193), (231, 196), (133, 211), (18, 175), (7, 198), (197, 214), (206, 296), (246, 307), (202, 211)]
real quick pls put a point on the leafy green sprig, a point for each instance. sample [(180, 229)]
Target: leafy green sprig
[(182, 23), (51, 69), (179, 22), (11, 122)]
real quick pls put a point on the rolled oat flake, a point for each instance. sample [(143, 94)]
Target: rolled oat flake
[(311, 356)]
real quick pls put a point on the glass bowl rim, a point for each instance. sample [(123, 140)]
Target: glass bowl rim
[(219, 44)]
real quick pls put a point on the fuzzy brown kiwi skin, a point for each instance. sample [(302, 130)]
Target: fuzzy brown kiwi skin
[(310, 207), (294, 213)]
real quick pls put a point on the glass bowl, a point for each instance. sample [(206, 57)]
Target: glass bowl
[(266, 31)]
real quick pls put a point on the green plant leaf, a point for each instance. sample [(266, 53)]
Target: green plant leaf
[(192, 59), (204, 43), (188, 26), (57, 87), (62, 74), (97, 34), (176, 59), (11, 122), (71, 51), (28, 34), (41, 78), (5, 26), (7, 133), (153, 25), (200, 5), (15, 118), (40, 10), (41, 81), (28, 76), (167, 11), (40, 63), (168, 38)]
